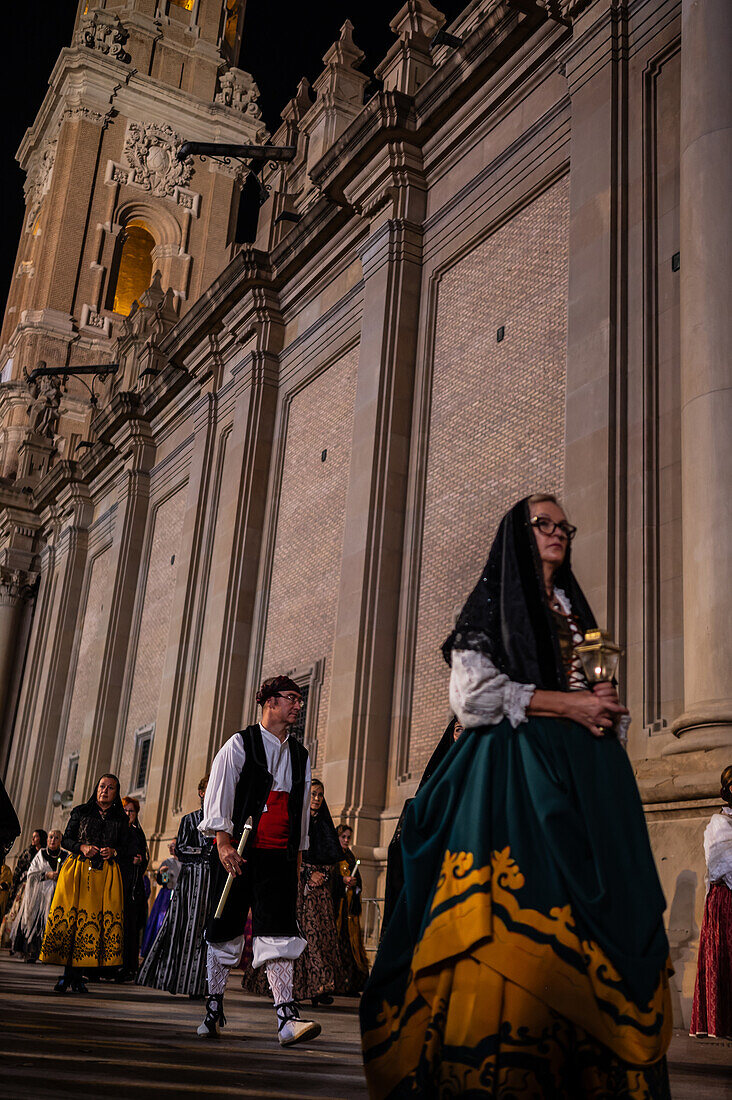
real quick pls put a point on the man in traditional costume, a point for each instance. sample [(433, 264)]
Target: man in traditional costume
[(177, 959), (40, 885), (526, 955), (262, 773)]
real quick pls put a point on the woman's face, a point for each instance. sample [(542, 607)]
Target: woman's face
[(36, 840), (345, 839), (106, 792), (54, 841), (131, 814), (316, 798), (552, 547)]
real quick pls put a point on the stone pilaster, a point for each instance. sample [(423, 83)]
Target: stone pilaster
[(594, 65), (390, 193), (706, 380)]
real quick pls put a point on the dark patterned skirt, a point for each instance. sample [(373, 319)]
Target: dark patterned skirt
[(712, 1011), (177, 959), (318, 970)]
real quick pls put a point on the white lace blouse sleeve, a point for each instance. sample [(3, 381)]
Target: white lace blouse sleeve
[(718, 849), (480, 695), (218, 804)]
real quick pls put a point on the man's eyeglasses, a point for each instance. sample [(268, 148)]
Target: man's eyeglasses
[(548, 527), (291, 698)]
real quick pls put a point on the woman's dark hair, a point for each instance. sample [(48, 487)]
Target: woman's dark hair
[(202, 783), (43, 835), (726, 781), (341, 829), (318, 783)]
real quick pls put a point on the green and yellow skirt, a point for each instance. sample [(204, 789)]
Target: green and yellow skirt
[(85, 926), (526, 956)]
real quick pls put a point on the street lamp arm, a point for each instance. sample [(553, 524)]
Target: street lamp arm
[(245, 152)]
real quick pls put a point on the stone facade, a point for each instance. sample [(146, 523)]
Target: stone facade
[(504, 271)]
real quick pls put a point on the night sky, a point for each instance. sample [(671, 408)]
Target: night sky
[(278, 49)]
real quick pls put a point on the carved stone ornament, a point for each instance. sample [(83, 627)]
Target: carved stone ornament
[(103, 31), (38, 180), (238, 89), (151, 153), (44, 410), (16, 585), (565, 11)]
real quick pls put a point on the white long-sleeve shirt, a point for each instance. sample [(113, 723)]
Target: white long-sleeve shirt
[(218, 805)]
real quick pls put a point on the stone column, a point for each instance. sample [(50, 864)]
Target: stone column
[(16, 589), (706, 391)]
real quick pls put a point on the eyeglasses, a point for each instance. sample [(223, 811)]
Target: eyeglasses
[(548, 527), (296, 699)]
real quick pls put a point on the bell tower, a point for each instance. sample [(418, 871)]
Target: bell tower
[(108, 203)]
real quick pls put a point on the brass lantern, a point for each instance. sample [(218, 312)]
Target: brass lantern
[(599, 655)]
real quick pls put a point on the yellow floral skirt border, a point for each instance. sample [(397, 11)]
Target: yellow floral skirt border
[(509, 1002), (85, 926)]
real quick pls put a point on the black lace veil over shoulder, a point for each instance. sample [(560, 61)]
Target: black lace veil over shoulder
[(507, 617)]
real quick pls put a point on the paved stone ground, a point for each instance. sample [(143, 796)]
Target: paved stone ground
[(129, 1042)]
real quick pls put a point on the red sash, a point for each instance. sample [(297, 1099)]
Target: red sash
[(274, 824)]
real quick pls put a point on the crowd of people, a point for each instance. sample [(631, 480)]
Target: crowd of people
[(522, 950)]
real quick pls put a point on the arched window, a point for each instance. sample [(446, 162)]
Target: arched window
[(134, 266)]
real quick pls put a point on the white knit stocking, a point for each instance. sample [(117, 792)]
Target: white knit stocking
[(218, 974), (279, 976)]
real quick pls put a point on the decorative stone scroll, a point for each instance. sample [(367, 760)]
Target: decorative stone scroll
[(103, 31)]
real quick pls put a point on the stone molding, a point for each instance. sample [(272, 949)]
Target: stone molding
[(103, 31)]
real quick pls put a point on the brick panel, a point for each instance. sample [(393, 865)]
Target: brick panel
[(303, 596), (154, 626), (496, 425), (86, 674)]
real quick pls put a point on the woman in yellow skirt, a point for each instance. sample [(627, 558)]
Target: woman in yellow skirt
[(85, 927)]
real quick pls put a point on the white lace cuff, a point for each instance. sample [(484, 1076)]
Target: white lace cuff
[(516, 701)]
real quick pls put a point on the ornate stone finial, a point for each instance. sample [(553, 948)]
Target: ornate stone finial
[(151, 150), (103, 31), (238, 90), (341, 81), (300, 103), (150, 318), (408, 63)]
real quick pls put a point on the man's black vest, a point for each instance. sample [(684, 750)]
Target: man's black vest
[(255, 783)]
